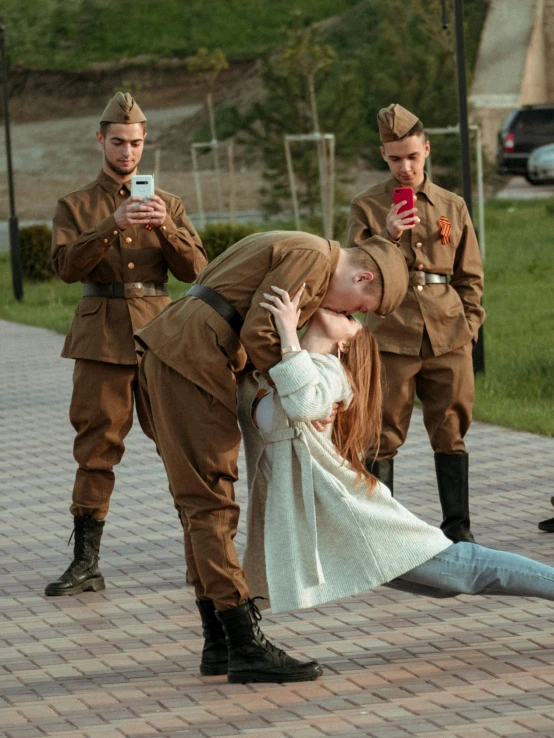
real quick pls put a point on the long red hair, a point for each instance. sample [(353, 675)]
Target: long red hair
[(358, 427)]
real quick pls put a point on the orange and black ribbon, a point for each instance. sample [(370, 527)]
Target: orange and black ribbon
[(445, 227)]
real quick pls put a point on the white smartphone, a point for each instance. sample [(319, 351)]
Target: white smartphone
[(142, 185)]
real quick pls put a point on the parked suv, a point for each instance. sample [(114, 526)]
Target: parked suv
[(523, 131)]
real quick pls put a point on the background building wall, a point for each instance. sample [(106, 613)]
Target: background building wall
[(514, 63)]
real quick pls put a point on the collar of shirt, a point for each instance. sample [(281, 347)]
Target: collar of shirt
[(427, 188), (110, 185), (334, 253)]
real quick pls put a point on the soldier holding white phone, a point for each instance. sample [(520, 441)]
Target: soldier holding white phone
[(121, 247)]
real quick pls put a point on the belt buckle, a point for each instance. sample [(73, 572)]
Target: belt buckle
[(418, 278), (133, 289)]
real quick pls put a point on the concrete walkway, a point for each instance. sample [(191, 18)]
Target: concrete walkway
[(124, 663), (517, 188)]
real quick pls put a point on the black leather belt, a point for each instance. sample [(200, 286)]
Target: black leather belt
[(423, 278), (219, 304), (125, 290)]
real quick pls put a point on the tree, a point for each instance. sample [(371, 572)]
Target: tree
[(208, 65), (294, 79), (303, 54), (402, 54)]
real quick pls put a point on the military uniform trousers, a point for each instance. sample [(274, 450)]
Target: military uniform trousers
[(101, 412), (445, 386), (198, 439)]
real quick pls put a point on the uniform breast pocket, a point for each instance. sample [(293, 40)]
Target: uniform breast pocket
[(444, 254), (88, 306)]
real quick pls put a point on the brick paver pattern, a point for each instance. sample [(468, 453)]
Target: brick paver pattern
[(124, 662)]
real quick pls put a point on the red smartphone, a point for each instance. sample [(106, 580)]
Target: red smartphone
[(404, 193)]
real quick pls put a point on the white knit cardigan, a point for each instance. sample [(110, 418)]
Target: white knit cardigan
[(314, 532)]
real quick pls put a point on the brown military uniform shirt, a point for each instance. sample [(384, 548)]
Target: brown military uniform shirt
[(88, 246), (195, 341), (451, 313)]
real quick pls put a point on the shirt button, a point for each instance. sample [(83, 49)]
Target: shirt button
[(128, 239), (105, 240), (170, 235), (131, 265), (420, 287), (121, 192), (164, 228), (415, 197), (115, 233), (419, 245), (420, 266)]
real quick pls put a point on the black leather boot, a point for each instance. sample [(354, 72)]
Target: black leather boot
[(452, 480), (214, 654), (383, 470), (252, 658), (83, 572)]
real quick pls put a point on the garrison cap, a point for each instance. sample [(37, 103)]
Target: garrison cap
[(122, 109), (394, 122), (392, 265)]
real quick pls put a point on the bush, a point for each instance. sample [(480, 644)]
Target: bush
[(217, 237), (35, 242)]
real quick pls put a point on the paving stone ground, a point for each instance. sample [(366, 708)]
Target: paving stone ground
[(123, 663)]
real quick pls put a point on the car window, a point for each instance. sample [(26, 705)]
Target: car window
[(541, 121)]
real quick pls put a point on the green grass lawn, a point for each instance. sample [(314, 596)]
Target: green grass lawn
[(53, 34), (517, 388), (48, 304)]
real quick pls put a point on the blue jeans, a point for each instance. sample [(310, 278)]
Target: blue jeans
[(466, 568)]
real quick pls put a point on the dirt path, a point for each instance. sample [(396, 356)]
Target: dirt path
[(53, 157), (59, 153)]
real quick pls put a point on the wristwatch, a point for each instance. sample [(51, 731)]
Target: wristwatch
[(292, 349)]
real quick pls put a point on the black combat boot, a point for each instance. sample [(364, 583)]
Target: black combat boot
[(214, 654), (252, 658), (383, 470), (83, 572), (452, 480)]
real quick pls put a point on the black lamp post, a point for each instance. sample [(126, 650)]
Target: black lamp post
[(479, 349), (15, 252)]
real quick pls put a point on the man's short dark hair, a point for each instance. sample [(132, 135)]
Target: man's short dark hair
[(364, 261)]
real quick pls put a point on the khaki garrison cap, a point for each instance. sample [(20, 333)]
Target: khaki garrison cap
[(394, 122), (392, 265), (122, 109)]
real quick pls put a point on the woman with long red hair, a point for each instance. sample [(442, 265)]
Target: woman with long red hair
[(320, 527)]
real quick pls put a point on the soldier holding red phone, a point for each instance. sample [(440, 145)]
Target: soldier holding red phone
[(426, 344)]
